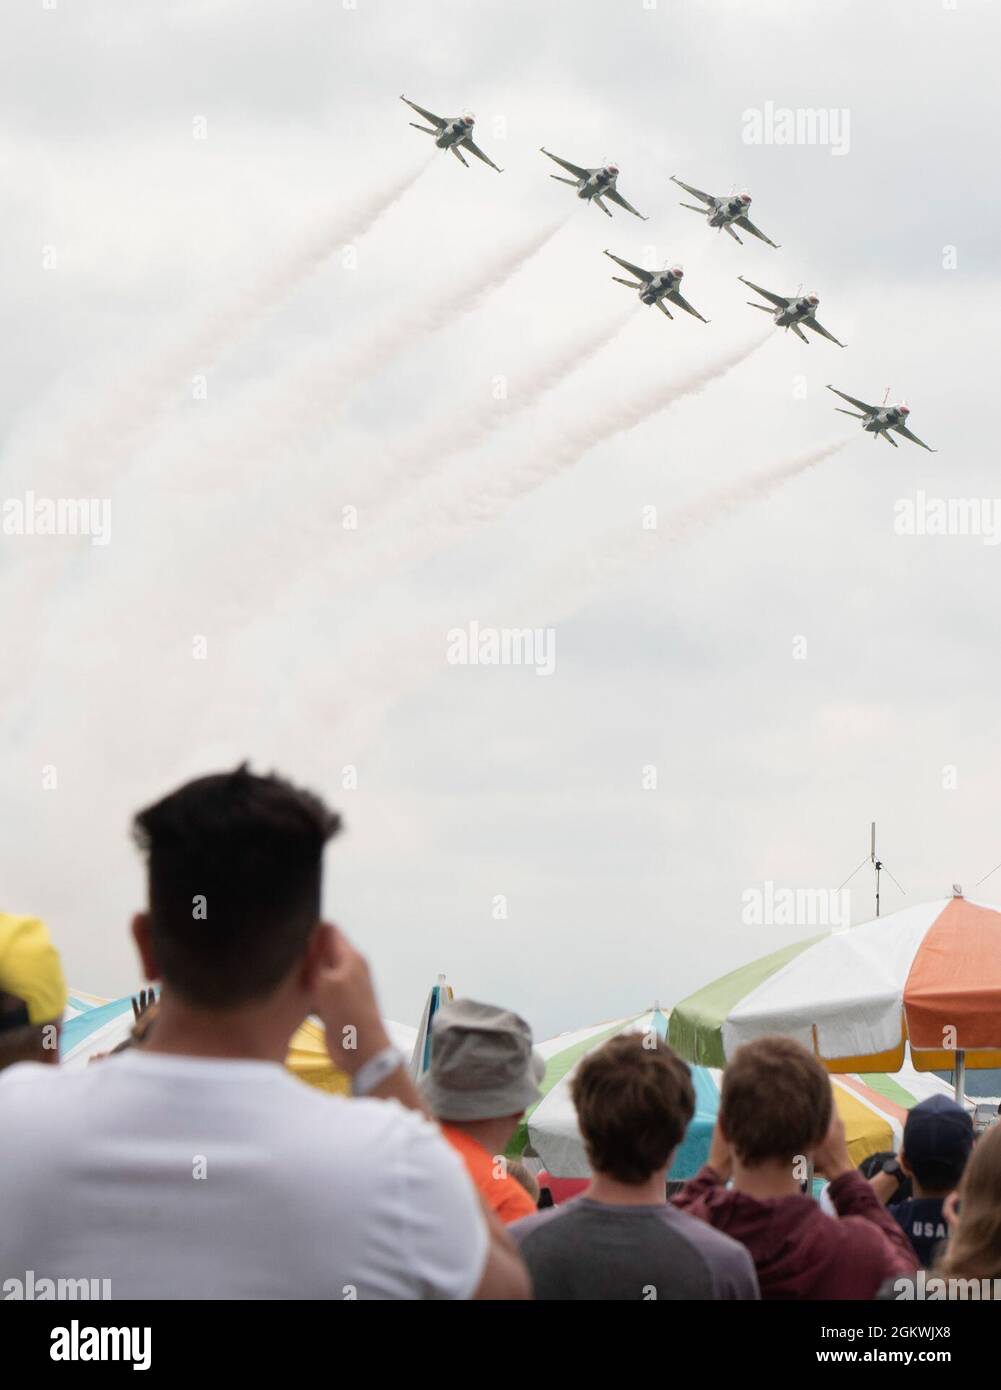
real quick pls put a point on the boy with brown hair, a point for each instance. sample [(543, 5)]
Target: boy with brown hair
[(776, 1115), (620, 1239)]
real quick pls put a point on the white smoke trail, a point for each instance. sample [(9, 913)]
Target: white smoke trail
[(91, 455), (427, 455), (306, 393), (625, 549), (405, 539), (400, 661), (315, 392), (617, 417), (757, 488), (464, 296), (91, 450), (335, 233)]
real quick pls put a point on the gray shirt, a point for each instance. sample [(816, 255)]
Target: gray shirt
[(591, 1250)]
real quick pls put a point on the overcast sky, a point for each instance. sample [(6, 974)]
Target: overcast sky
[(198, 327)]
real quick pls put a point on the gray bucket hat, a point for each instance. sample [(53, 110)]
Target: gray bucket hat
[(482, 1063)]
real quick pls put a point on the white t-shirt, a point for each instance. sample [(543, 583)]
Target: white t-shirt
[(177, 1177)]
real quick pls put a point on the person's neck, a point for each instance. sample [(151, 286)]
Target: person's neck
[(246, 1034), (764, 1180), (927, 1193), (492, 1135), (613, 1193)]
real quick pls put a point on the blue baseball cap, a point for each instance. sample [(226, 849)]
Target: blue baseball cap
[(938, 1138)]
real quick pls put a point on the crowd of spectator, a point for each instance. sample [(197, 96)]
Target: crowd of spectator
[(192, 1164)]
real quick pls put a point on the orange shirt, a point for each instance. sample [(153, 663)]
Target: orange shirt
[(502, 1194)]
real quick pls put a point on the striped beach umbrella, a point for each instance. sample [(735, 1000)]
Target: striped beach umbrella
[(873, 1106), (93, 1026), (439, 994), (78, 1003), (550, 1132), (923, 982), (309, 1060)]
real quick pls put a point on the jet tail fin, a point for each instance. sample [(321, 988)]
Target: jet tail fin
[(763, 307), (426, 128), (560, 179), (853, 413), (693, 208), (633, 284)]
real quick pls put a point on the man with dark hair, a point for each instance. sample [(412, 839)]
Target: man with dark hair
[(938, 1140), (776, 1118), (620, 1239), (195, 1165), (234, 867)]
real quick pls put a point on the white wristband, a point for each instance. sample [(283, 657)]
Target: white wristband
[(374, 1072)]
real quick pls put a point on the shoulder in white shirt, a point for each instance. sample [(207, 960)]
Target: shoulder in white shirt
[(177, 1177)]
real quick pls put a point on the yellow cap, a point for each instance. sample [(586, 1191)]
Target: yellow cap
[(30, 967)]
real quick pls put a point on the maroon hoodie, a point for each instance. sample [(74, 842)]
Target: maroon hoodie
[(798, 1250)]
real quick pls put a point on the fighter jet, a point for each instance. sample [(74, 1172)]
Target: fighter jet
[(794, 311), (656, 286), (879, 419), (453, 133), (725, 213), (594, 184)]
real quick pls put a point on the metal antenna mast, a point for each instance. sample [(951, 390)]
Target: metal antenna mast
[(877, 864)]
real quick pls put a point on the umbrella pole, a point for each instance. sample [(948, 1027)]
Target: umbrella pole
[(960, 1076)]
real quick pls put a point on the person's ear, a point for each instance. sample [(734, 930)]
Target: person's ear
[(142, 937), (950, 1207), (321, 952), (902, 1160)]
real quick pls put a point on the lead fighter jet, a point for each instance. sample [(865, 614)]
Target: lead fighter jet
[(594, 184), (722, 212), (656, 286), (453, 133), (878, 419), (793, 311)]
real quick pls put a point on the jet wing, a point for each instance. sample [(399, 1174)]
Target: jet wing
[(695, 192), (574, 169), (860, 405), (818, 328), (633, 269), (778, 300), (614, 197), (439, 121), (902, 429), (683, 303), (749, 226), (473, 148)]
